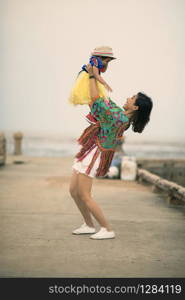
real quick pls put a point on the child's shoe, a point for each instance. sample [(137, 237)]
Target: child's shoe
[(91, 119)]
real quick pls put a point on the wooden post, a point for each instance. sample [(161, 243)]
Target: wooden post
[(17, 142)]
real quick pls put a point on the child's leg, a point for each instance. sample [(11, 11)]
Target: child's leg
[(90, 117)]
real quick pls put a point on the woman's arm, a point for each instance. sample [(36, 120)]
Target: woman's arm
[(97, 75), (100, 79), (94, 93)]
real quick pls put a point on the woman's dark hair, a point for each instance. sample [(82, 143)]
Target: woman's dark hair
[(141, 116)]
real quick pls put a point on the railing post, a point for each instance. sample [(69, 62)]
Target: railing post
[(17, 142)]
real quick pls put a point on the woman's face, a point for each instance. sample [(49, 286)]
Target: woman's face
[(130, 103)]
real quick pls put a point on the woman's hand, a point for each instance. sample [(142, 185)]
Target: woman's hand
[(93, 71), (89, 69), (94, 93)]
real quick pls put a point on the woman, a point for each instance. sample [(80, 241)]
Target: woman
[(98, 144)]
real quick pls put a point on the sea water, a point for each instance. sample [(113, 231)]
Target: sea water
[(56, 146)]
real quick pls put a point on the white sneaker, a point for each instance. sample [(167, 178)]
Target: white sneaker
[(83, 229), (103, 234)]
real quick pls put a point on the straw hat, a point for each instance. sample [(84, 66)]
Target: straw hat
[(103, 51)]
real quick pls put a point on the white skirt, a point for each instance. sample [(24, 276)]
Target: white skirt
[(82, 166)]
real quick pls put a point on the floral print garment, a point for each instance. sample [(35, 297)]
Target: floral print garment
[(112, 120)]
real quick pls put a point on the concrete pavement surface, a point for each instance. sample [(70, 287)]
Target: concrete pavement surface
[(37, 216)]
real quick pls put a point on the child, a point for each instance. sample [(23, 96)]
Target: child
[(80, 94)]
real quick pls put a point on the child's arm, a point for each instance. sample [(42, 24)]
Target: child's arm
[(100, 79)]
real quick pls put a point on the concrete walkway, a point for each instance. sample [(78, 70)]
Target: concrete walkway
[(37, 216)]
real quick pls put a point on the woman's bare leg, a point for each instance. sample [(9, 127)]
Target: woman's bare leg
[(80, 204), (84, 191)]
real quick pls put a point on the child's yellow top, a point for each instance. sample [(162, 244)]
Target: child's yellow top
[(80, 93)]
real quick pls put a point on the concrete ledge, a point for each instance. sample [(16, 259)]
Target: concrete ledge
[(172, 169), (175, 193), (2, 149), (2, 160)]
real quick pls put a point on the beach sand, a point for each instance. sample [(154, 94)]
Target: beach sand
[(38, 216)]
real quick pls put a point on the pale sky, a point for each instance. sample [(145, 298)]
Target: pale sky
[(44, 43)]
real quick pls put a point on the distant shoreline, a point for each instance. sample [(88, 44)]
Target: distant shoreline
[(129, 139)]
